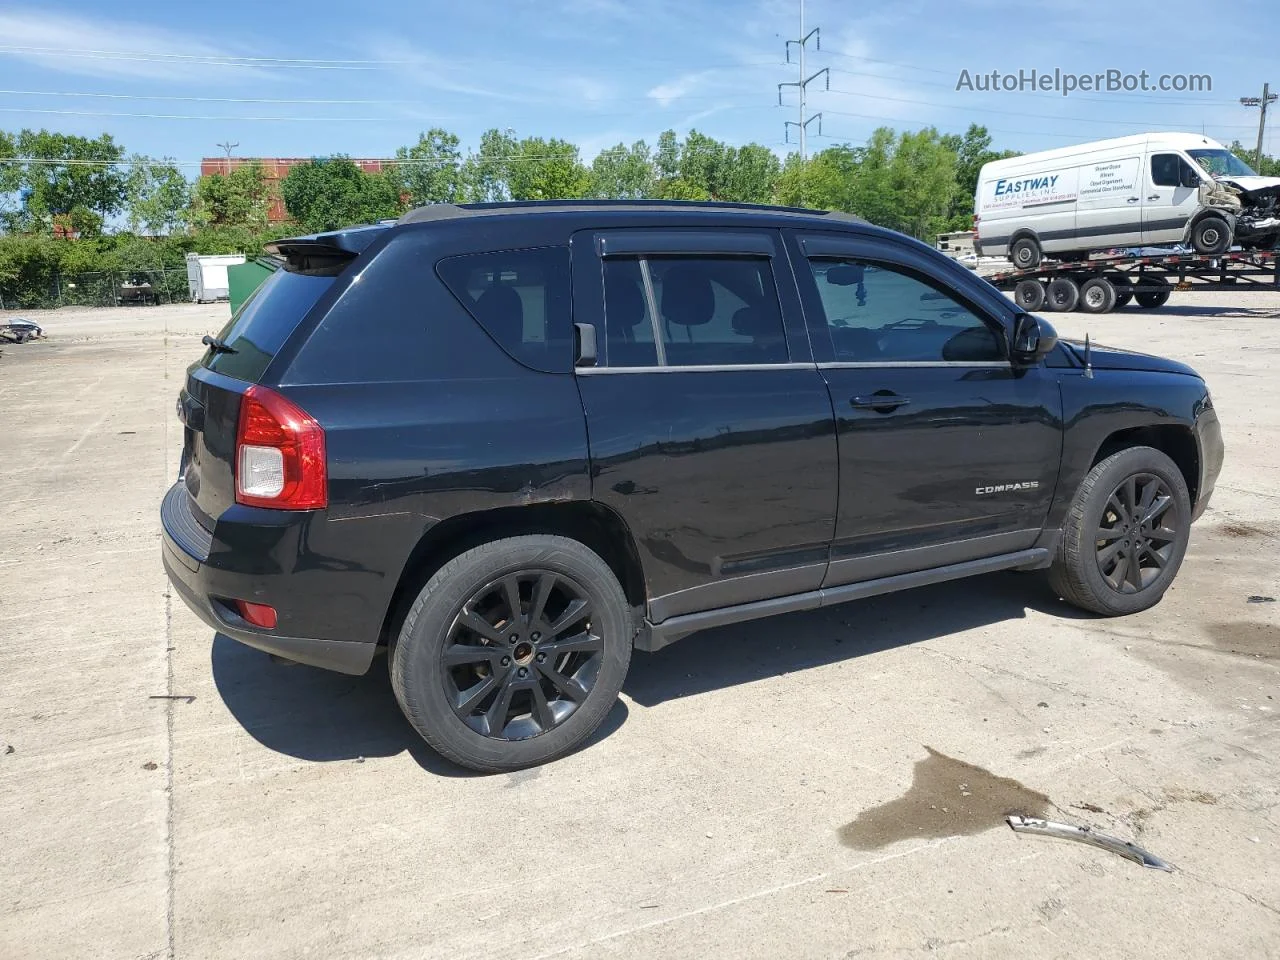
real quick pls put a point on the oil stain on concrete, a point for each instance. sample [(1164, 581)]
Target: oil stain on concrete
[(947, 798), (1247, 638)]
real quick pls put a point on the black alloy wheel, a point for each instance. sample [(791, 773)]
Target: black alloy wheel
[(1136, 538), (522, 655)]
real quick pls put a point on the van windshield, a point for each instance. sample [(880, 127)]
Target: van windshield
[(1222, 163)]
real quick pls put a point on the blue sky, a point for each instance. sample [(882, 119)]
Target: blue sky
[(602, 71)]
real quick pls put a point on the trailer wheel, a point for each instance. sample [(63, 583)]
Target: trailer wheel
[(1025, 253), (1123, 287), (1211, 235), (1150, 299), (1097, 295), (1029, 295), (1063, 294)]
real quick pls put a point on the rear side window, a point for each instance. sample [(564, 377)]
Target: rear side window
[(710, 311), (261, 326), (522, 298)]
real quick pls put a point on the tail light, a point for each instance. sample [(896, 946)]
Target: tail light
[(280, 456), (259, 614)]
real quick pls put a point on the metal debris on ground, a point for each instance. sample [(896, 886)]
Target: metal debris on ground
[(20, 330), (1260, 599), (173, 696), (1067, 831)]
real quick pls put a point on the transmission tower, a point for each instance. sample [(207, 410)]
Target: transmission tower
[(802, 125)]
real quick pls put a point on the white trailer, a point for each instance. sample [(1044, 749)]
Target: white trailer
[(207, 275)]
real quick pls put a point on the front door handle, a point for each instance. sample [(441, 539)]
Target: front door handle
[(1132, 200), (882, 401), (1154, 196)]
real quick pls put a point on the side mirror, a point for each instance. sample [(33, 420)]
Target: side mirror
[(1188, 178), (1033, 338)]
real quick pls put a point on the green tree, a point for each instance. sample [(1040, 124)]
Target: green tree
[(10, 181), (333, 192), (1269, 167), (534, 168), (433, 171), (623, 173), (74, 175), (972, 151), (158, 196), (239, 199), (485, 172)]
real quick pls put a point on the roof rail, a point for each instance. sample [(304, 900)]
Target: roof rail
[(449, 211)]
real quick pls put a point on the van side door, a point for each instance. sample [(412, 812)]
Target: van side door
[(710, 428), (1169, 198), (1109, 201)]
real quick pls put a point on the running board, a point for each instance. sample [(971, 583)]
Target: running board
[(655, 636)]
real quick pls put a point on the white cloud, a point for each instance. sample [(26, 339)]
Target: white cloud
[(116, 48), (681, 86)]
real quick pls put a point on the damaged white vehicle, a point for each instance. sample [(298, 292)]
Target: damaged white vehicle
[(1153, 189), (1257, 213)]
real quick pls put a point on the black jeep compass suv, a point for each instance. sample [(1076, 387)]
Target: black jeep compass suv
[(514, 441)]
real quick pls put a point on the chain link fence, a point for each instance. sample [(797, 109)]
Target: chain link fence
[(100, 289)]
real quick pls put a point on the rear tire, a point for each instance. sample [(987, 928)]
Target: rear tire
[(1151, 299), (542, 677), (1063, 294), (1123, 287), (1097, 295), (1209, 236), (1025, 253), (1029, 295), (1134, 504)]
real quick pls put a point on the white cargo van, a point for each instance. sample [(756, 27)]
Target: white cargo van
[(1152, 189)]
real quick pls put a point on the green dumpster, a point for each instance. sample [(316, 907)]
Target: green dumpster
[(244, 278)]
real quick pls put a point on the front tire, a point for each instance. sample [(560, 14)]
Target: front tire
[(1125, 535), (1210, 236), (513, 652)]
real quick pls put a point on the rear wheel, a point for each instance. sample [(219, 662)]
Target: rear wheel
[(1097, 295), (513, 653), (1150, 299), (1025, 253), (1063, 294), (1029, 295), (1125, 534), (1123, 287)]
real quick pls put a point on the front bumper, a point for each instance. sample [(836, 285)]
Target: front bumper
[(204, 585), (1208, 432)]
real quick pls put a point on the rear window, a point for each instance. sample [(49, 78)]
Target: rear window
[(262, 325), (522, 298)]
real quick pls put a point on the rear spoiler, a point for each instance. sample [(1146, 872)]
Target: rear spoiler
[(324, 253)]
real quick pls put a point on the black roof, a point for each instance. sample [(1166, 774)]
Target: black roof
[(449, 211), (352, 240)]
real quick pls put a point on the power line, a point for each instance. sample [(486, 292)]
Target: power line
[(157, 96), (195, 116)]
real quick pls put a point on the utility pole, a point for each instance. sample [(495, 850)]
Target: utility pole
[(1262, 101), (803, 124), (227, 147)]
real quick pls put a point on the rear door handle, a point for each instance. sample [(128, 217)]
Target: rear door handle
[(1133, 200), (881, 402)]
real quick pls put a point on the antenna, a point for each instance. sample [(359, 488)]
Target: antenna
[(1088, 358), (802, 84)]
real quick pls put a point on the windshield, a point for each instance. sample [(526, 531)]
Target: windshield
[(1222, 163)]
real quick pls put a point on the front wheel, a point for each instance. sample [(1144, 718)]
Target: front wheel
[(1125, 534), (513, 653), (1210, 236)]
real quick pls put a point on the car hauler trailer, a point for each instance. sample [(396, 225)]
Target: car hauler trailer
[(1102, 284)]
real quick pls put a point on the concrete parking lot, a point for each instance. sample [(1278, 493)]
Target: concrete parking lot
[(830, 784)]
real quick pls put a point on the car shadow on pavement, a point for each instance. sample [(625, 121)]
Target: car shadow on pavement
[(319, 715), (746, 652)]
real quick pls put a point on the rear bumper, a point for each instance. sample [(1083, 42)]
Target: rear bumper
[(199, 572)]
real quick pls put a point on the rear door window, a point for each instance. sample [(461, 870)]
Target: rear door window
[(710, 310), (262, 325), (522, 298)]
